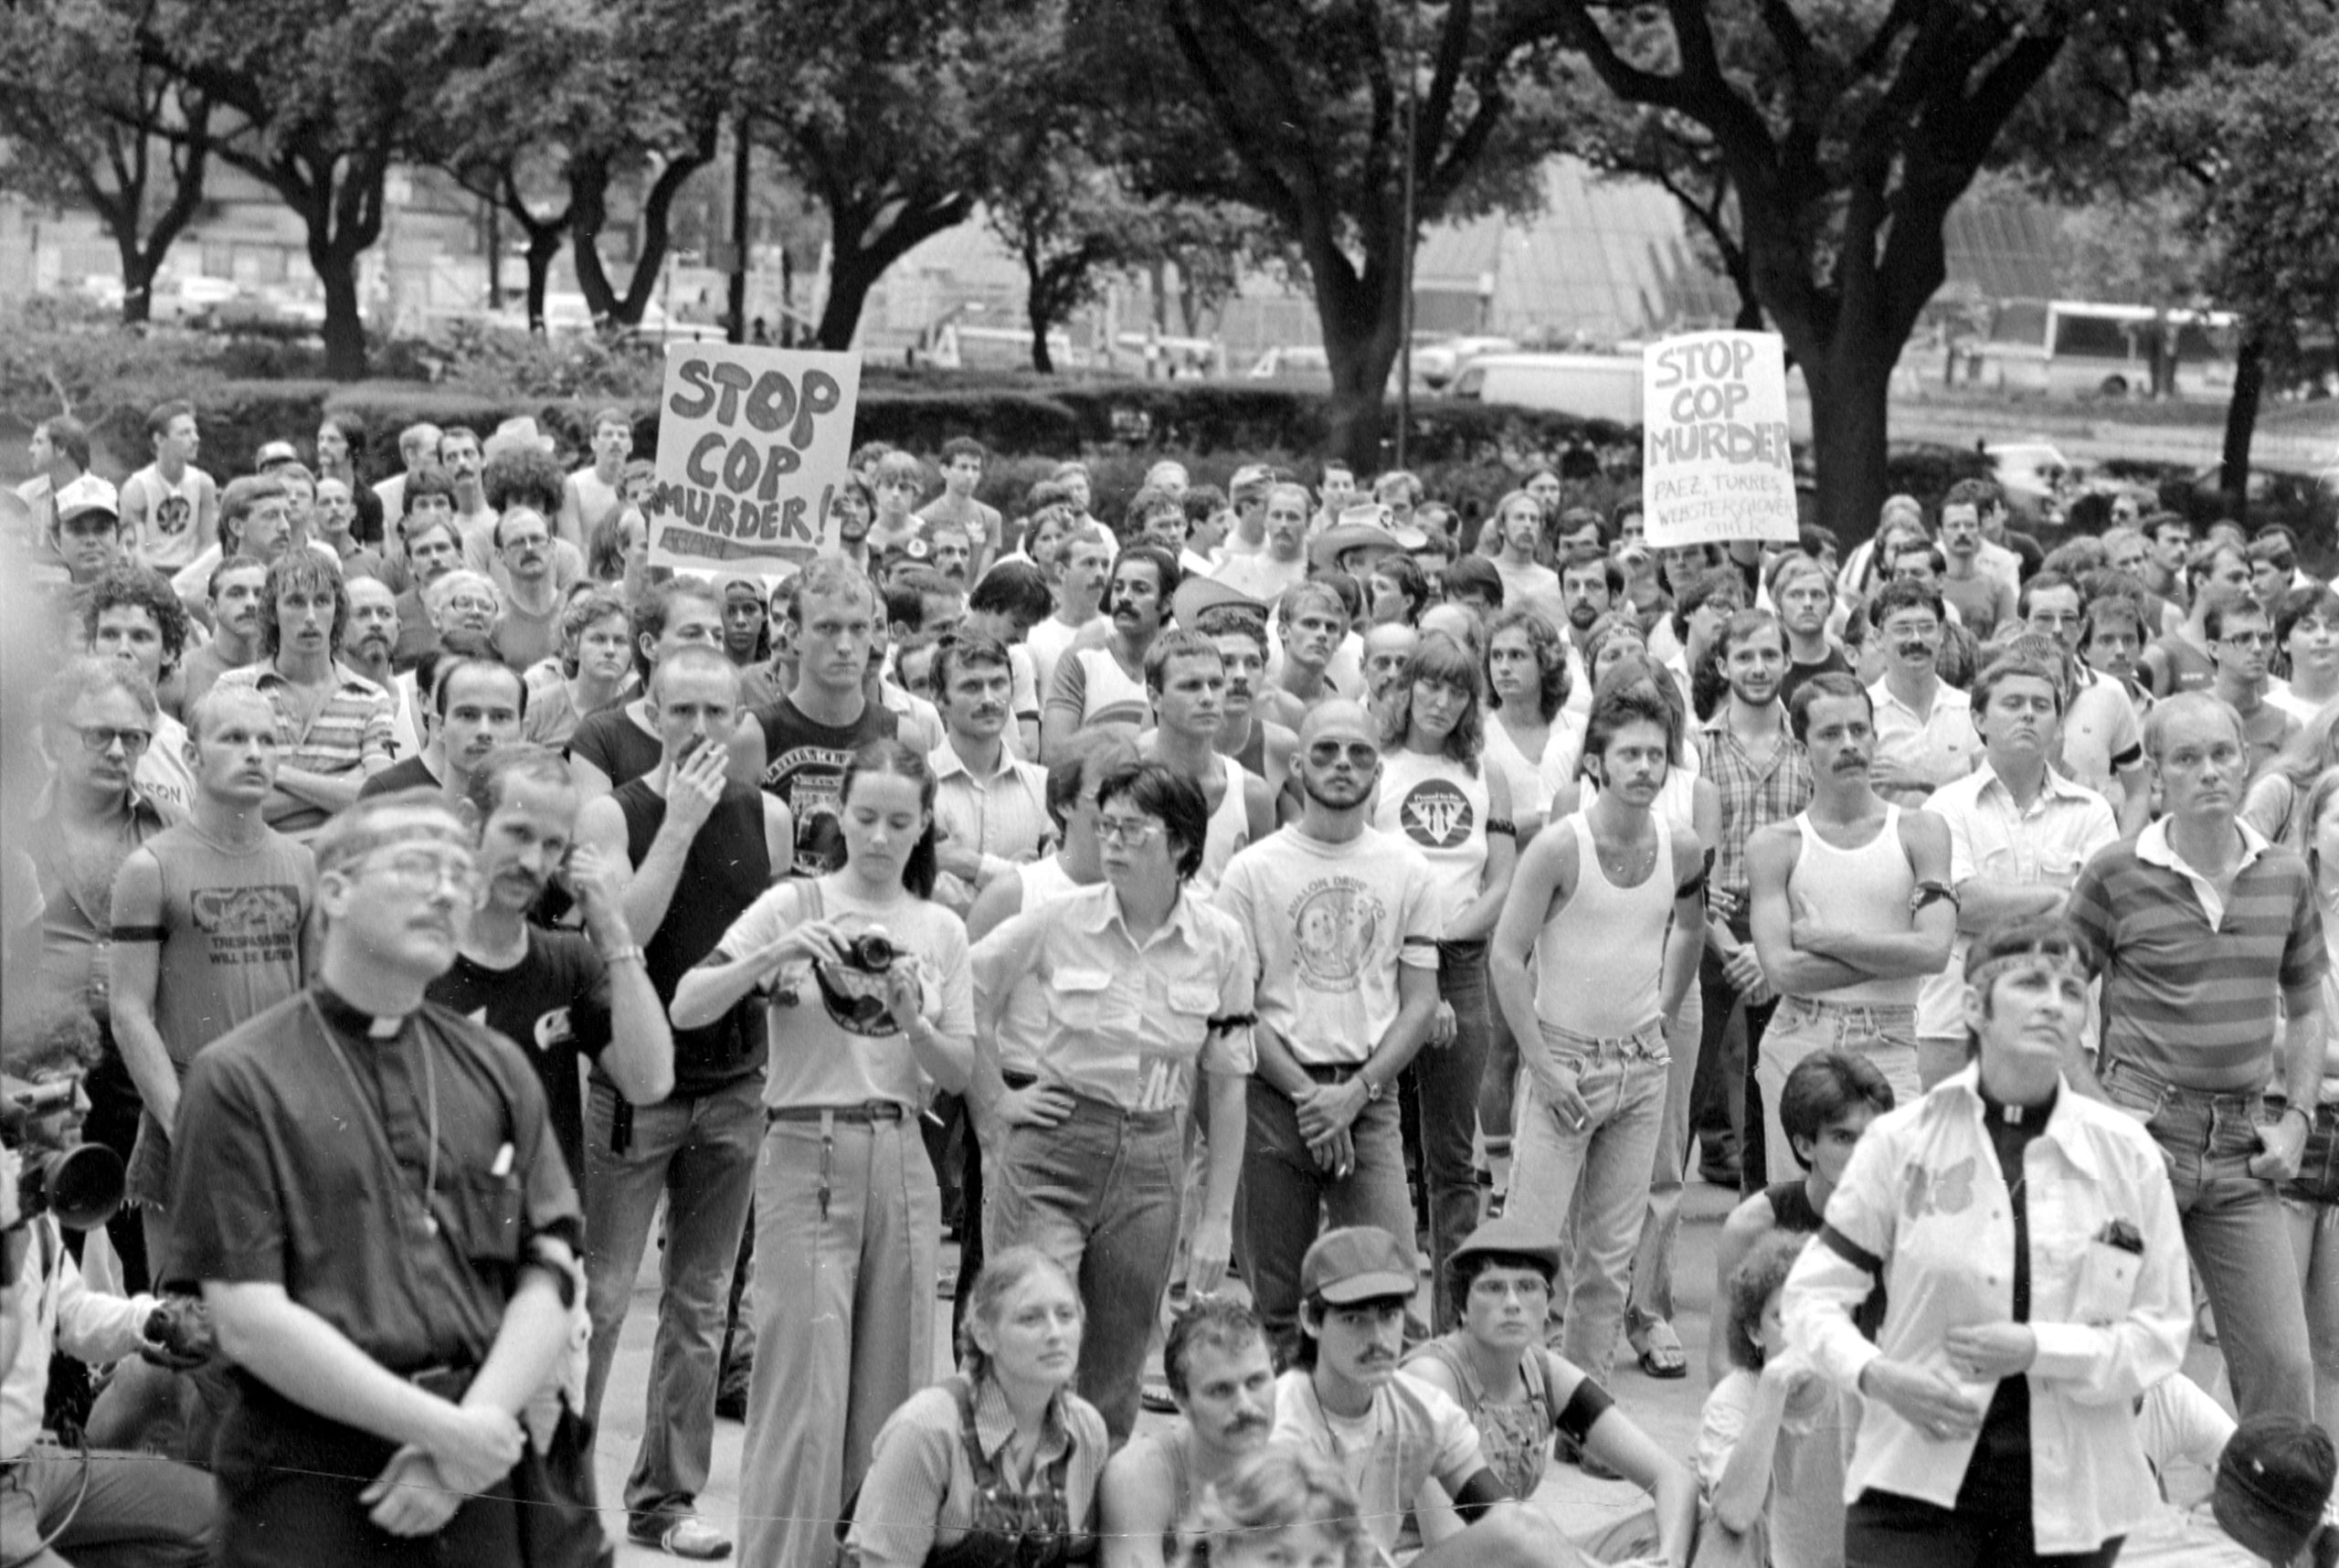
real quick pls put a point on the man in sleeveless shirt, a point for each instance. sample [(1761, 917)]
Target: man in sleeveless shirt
[(1852, 906), (1105, 684), (697, 849), (208, 918), (2216, 577), (1609, 908), (1187, 678), (798, 747), (1221, 1375)]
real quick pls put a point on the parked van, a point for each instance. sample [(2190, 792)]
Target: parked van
[(1589, 385)]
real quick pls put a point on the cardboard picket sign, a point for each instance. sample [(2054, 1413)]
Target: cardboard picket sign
[(1716, 465), (752, 444)]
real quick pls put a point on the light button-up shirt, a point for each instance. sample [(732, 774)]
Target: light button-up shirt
[(1128, 1019), (1923, 1208), (1004, 818)]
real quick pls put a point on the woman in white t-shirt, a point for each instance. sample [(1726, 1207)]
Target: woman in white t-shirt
[(872, 1007), (1437, 792)]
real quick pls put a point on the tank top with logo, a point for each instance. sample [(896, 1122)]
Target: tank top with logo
[(1440, 807)]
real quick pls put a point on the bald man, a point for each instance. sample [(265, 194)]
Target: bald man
[(1343, 924)]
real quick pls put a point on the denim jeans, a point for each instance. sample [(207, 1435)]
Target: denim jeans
[(1588, 1185), (699, 1155), (1886, 1035), (1446, 1082), (1284, 1196), (1650, 1302), (1101, 1193), (2236, 1231), (848, 1230)]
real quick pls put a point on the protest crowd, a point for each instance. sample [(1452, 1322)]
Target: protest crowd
[(1298, 944)]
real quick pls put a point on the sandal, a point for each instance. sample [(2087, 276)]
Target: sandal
[(1662, 1357)]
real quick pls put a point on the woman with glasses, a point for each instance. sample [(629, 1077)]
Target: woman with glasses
[(1151, 990), (1437, 793), (1520, 1395), (871, 1009), (996, 1466)]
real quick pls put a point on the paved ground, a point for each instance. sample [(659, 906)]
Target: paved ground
[(1667, 1410)]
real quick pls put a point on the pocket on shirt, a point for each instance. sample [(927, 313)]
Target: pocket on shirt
[(1080, 997), (488, 1211), (1193, 1002)]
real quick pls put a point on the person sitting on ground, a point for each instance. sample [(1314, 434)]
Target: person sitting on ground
[(1221, 1375), (1518, 1394), (1283, 1506), (1000, 1462), (1769, 1441), (1345, 1400), (1829, 1101)]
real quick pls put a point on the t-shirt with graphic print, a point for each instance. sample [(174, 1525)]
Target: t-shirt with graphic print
[(554, 1005), (1440, 808), (804, 764), (1329, 924)]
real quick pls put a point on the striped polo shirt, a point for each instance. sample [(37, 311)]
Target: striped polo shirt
[(2191, 983), (355, 723)]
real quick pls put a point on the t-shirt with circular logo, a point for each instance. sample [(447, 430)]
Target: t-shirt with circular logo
[(554, 1005), (1440, 806)]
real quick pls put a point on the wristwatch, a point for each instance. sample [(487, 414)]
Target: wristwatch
[(1371, 1089), (629, 954)]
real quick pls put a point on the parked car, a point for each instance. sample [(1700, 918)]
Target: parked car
[(189, 302), (1436, 363)]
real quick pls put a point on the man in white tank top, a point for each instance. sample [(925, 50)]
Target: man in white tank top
[(1609, 903), (1852, 908), (1186, 676)]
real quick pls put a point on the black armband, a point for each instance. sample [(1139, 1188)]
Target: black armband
[(1695, 886), (1502, 825), (1585, 1408), (1931, 893), (1227, 1023)]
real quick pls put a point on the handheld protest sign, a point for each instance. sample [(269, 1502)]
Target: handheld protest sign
[(752, 443), (1716, 465)]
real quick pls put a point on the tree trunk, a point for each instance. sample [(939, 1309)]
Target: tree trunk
[(1849, 389), (1038, 308), (1362, 318), (137, 280), (2241, 422), (544, 247), (345, 327), (850, 277)]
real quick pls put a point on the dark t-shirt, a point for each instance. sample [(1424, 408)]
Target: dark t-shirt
[(407, 775), (613, 742), (804, 764), (1833, 665), (302, 1158), (726, 868), (554, 1005)]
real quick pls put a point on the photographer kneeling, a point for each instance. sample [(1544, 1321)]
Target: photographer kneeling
[(130, 1509)]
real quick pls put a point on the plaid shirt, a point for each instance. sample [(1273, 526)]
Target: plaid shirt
[(1753, 796)]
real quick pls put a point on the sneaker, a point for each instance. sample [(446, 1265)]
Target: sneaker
[(680, 1535)]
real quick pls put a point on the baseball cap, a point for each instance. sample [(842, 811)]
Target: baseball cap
[(88, 493), (1357, 1263), (2274, 1480)]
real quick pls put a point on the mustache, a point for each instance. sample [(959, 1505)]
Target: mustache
[(1913, 650)]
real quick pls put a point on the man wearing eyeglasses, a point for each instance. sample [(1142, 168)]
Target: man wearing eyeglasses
[(527, 628), (1342, 920), (372, 1202), (98, 718), (2242, 640)]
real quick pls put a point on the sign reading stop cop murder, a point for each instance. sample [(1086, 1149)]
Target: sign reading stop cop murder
[(752, 444), (1716, 465)]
